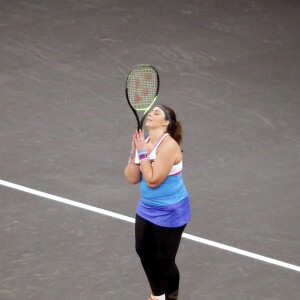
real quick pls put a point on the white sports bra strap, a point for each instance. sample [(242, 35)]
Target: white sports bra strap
[(153, 152)]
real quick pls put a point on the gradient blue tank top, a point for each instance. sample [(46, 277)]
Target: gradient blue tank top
[(168, 204)]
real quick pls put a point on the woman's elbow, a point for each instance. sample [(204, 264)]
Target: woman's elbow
[(153, 183), (131, 179), (133, 182)]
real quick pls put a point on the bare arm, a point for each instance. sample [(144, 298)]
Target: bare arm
[(132, 173), (154, 174)]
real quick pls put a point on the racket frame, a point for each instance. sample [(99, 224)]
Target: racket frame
[(138, 120)]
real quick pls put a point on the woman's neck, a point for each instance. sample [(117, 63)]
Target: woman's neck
[(155, 135)]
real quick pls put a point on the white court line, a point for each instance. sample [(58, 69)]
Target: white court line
[(132, 220)]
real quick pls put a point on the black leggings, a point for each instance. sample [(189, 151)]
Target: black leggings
[(157, 248)]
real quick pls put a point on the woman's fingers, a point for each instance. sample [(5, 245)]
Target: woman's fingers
[(141, 135), (140, 140)]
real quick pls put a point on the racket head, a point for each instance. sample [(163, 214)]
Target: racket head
[(142, 86)]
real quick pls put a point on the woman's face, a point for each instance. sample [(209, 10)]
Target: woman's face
[(156, 118)]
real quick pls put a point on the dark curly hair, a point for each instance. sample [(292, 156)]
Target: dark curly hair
[(174, 127)]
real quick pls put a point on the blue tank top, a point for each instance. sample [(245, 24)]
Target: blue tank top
[(168, 204)]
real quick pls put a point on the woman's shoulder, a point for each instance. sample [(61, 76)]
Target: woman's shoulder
[(171, 148), (170, 143)]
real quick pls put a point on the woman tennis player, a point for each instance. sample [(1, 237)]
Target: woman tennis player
[(164, 208)]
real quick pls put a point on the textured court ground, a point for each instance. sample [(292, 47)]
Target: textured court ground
[(230, 69)]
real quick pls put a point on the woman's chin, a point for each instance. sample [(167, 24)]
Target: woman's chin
[(148, 124)]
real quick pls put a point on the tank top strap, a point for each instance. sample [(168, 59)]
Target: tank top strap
[(159, 142)]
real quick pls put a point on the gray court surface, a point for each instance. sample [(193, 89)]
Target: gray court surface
[(230, 69)]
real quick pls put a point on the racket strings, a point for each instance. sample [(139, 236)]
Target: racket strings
[(142, 87)]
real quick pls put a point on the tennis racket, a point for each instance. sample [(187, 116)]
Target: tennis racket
[(142, 85)]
